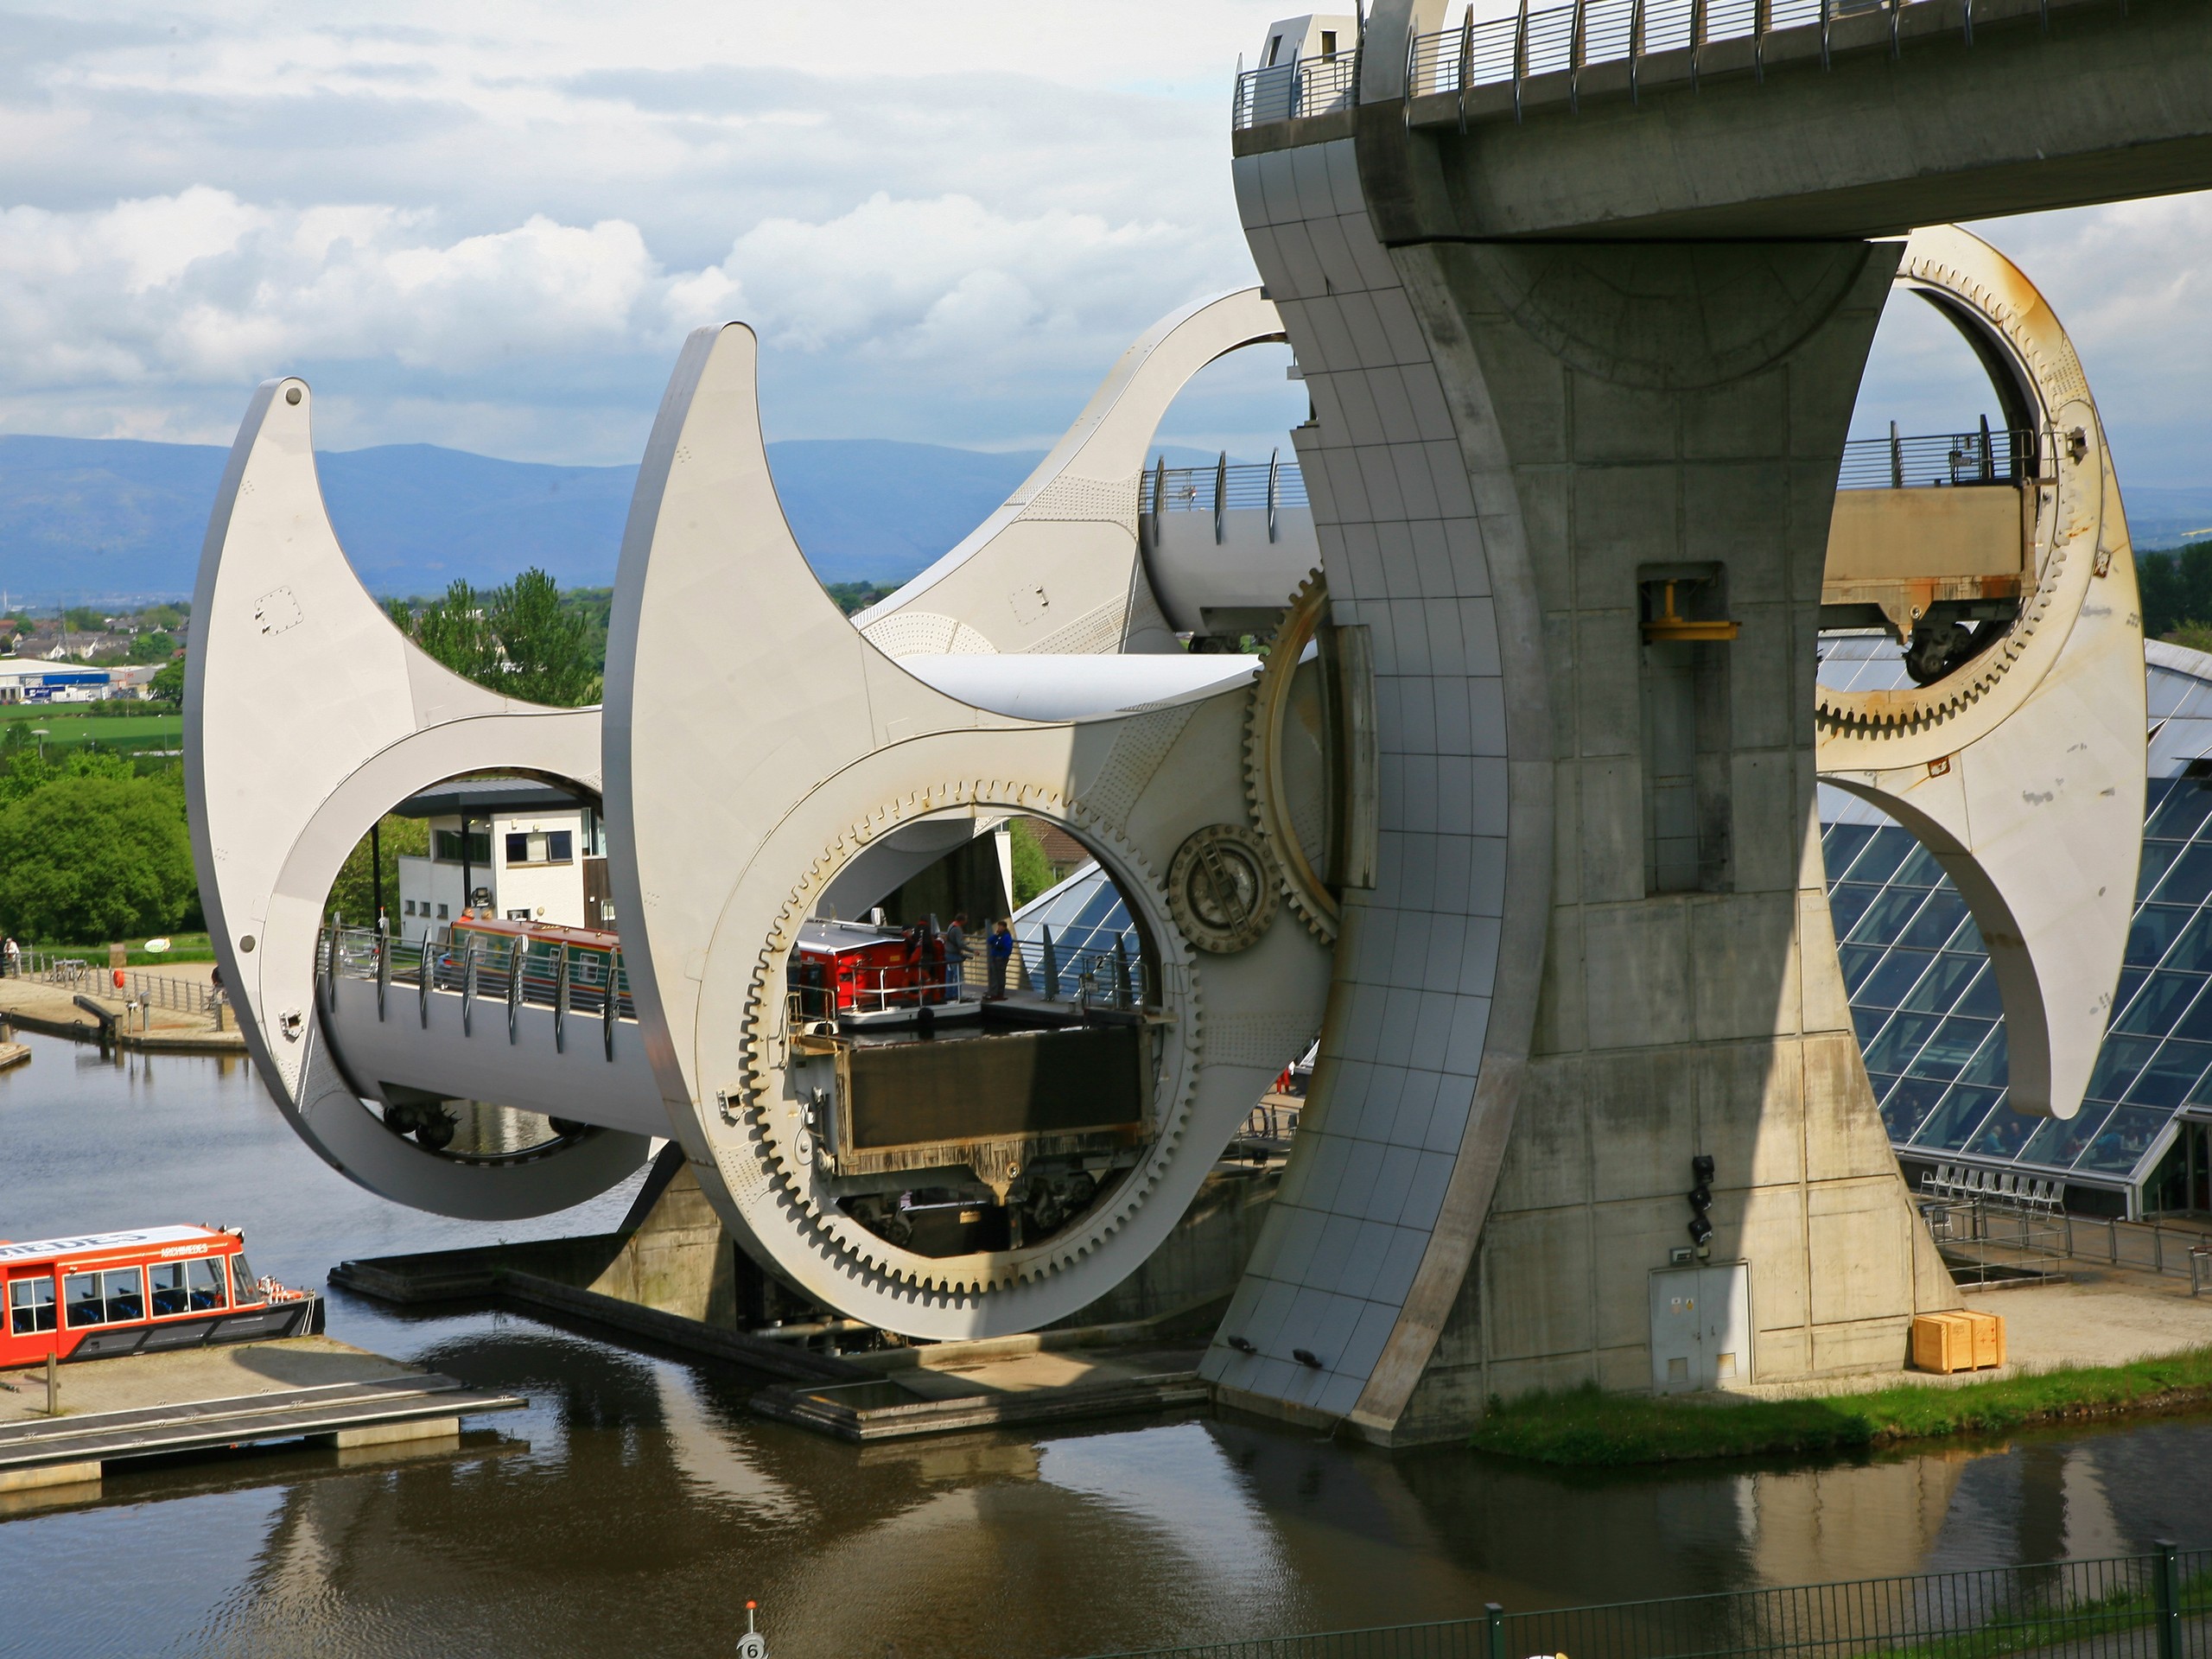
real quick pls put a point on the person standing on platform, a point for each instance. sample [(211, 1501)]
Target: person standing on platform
[(1001, 954), (956, 953), (14, 964)]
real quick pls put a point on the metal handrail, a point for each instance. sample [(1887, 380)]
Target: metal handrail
[(1225, 487), (478, 968), (1566, 38), (1303, 87), (1947, 458)]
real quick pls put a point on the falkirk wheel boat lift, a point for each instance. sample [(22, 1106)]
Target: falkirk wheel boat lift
[(1516, 812)]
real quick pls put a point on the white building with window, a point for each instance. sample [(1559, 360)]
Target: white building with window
[(524, 850)]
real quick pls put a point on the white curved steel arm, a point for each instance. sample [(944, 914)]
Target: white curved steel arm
[(306, 716)]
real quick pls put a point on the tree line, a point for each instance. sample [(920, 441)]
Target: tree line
[(2176, 589)]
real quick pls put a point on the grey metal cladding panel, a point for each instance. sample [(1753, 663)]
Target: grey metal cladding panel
[(1417, 957), (1378, 471), (1362, 421), (1363, 1264), (1300, 263), (1251, 194), (1339, 1235), (1325, 327), (1339, 265), (1362, 1169), (1364, 323), (1343, 179), (1416, 487), (1278, 188), (1316, 196), (1342, 1391)]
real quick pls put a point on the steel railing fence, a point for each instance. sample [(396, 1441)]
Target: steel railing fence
[(1895, 462), (1239, 484), (2157, 1606), (488, 973), (1284, 92), (150, 990), (1943, 458), (1549, 40)]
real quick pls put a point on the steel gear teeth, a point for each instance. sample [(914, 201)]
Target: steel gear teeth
[(862, 1249), (1312, 902), (1844, 714)]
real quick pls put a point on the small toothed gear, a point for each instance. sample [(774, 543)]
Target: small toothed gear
[(1301, 883), (782, 1162), (1223, 888)]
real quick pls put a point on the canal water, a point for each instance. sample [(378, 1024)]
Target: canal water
[(634, 1508)]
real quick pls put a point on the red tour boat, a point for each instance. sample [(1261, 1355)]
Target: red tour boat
[(141, 1291)]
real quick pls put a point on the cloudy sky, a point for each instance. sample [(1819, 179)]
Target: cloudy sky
[(490, 225)]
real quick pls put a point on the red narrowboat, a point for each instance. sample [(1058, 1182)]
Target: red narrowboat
[(141, 1291), (857, 970)]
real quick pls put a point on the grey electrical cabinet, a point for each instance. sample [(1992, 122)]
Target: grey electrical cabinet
[(1701, 1326)]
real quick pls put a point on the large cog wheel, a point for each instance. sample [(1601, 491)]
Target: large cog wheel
[(1265, 794), (2013, 320), (784, 1157)]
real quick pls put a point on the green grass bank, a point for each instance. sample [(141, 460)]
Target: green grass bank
[(1591, 1429), (183, 947)]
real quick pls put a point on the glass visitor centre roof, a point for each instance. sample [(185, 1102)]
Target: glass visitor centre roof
[(1085, 915), (1923, 997)]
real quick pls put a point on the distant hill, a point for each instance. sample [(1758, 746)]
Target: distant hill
[(2163, 518), (85, 519)]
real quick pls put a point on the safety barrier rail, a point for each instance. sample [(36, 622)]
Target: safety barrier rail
[(897, 988), (2177, 1248), (1283, 91), (1244, 484), (2154, 1607), (571, 980), (1112, 977), (1947, 458), (1567, 39), (1222, 488)]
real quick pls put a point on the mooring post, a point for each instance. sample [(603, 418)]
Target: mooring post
[(53, 1385)]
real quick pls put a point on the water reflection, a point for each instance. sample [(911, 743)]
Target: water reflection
[(636, 1506)]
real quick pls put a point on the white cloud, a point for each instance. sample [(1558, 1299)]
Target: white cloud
[(490, 227)]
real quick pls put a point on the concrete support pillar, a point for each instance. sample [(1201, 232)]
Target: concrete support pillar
[(1599, 945)]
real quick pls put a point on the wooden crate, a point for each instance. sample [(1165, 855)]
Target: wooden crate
[(1963, 1341), (1988, 1338), (1943, 1342)]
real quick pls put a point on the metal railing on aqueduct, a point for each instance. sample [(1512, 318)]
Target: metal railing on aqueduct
[(2156, 1606), (1553, 40), (572, 981)]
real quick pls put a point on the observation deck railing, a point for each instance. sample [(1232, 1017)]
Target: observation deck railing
[(1552, 40), (1283, 91), (1221, 489), (1951, 458), (483, 970)]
